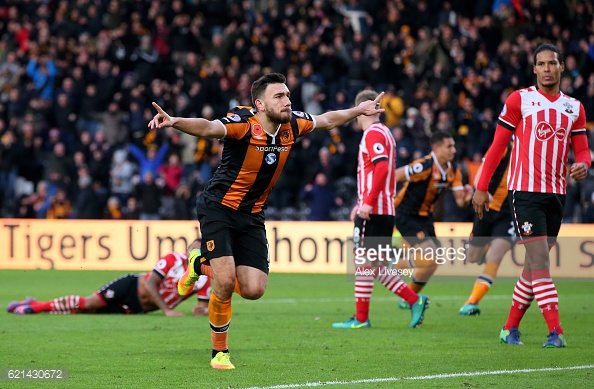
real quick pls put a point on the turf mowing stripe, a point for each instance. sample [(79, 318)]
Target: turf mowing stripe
[(350, 299), (421, 377)]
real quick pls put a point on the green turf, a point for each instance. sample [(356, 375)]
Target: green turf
[(286, 338)]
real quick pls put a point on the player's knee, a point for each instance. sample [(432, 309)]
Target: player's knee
[(225, 284), (93, 302), (252, 292)]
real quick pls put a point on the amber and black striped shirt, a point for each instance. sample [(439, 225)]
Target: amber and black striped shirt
[(252, 159), (425, 181)]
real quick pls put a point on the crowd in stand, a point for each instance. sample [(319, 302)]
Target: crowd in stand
[(77, 78)]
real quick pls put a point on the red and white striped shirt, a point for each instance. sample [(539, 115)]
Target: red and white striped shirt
[(171, 267), (542, 126), (377, 145)]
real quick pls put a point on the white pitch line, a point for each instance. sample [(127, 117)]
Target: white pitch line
[(419, 378), (350, 299)]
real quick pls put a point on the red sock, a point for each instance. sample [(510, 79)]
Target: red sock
[(547, 298), (395, 284), (65, 304), (521, 300), (363, 290)]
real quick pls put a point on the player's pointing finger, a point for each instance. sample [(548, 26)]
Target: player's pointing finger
[(159, 109)]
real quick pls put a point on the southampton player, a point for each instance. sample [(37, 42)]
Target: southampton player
[(374, 214), (544, 122), (131, 293)]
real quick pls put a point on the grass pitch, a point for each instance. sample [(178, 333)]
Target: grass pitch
[(285, 340)]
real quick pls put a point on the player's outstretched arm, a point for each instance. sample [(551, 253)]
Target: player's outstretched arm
[(401, 174), (152, 284), (333, 119), (194, 126)]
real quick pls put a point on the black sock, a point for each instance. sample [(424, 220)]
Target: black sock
[(215, 352)]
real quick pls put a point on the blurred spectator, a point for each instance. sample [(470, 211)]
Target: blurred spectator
[(184, 203), (59, 207), (171, 173), (321, 198), (57, 166), (151, 160), (121, 174), (88, 202), (130, 211), (148, 196), (404, 147), (8, 166), (113, 210), (43, 73), (394, 106)]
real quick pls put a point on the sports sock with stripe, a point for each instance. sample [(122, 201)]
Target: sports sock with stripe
[(521, 300), (219, 315), (483, 283)]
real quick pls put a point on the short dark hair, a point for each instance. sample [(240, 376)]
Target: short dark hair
[(549, 47), (259, 86), (365, 95), (438, 137)]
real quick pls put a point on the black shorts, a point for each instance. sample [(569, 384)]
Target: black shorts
[(227, 232), (376, 228), (416, 229), (121, 295), (537, 215), (493, 225)]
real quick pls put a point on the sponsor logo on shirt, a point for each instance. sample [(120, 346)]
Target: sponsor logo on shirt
[(263, 149), (544, 131), (270, 158)]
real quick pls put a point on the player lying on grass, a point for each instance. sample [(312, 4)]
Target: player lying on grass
[(130, 293)]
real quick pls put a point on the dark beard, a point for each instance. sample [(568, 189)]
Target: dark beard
[(283, 117), (549, 85)]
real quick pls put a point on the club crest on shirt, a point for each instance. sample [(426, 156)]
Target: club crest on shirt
[(285, 135), (210, 245), (527, 228), (420, 235), (568, 107), (257, 130)]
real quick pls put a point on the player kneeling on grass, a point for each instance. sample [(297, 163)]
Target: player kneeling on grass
[(130, 293), (494, 232)]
